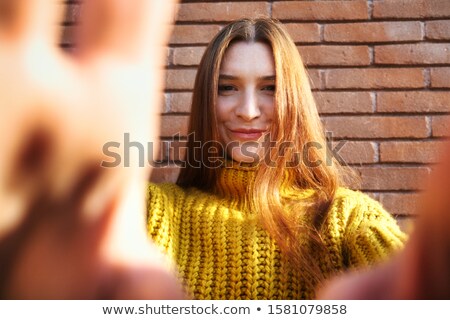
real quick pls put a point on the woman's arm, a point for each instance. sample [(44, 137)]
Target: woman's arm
[(371, 236), (422, 269), (70, 228)]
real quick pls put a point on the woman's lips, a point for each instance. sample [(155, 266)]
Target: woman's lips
[(246, 134)]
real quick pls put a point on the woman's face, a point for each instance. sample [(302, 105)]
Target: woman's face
[(246, 102)]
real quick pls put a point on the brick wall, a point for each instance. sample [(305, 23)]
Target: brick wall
[(380, 72)]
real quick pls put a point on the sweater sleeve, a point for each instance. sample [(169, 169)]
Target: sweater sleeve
[(372, 234)]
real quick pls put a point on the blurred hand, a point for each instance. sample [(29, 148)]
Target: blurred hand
[(422, 270), (70, 228)]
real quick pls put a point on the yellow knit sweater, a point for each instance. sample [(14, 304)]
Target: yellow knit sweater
[(222, 252)]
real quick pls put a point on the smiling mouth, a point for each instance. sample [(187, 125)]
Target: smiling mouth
[(247, 134)]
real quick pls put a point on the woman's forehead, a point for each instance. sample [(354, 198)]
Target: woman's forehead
[(244, 57)]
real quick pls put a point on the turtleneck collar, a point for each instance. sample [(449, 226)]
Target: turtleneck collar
[(235, 179)]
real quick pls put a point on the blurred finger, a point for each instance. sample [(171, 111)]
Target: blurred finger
[(144, 283), (35, 117), (427, 256), (371, 284), (120, 46), (31, 19), (124, 29), (422, 270)]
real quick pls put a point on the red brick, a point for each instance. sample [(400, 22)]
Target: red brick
[(440, 126), (393, 178), (303, 32), (357, 152), (374, 78), (168, 60), (373, 195), (373, 32), (376, 127), (320, 10), (68, 35), (400, 203), (177, 150), (197, 34), (406, 221), (440, 77), (160, 153), (165, 103), (178, 102), (343, 102), (315, 78), (73, 11), (180, 79), (174, 125), (335, 55), (223, 11), (187, 56), (164, 151), (424, 53), (411, 9), (437, 30), (413, 101), (164, 174), (410, 151)]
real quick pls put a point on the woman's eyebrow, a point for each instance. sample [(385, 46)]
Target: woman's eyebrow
[(273, 78), (230, 77), (227, 77)]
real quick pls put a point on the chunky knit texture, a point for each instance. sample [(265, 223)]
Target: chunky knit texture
[(222, 252)]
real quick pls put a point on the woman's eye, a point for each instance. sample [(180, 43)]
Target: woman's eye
[(269, 88), (225, 88)]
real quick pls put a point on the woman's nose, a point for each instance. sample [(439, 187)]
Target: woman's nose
[(248, 108)]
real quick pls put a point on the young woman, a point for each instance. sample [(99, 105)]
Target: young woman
[(259, 211)]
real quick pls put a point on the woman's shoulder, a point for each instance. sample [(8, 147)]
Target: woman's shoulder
[(369, 232), (353, 196), (359, 211), (356, 200), (354, 208), (172, 192), (163, 200), (160, 188)]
